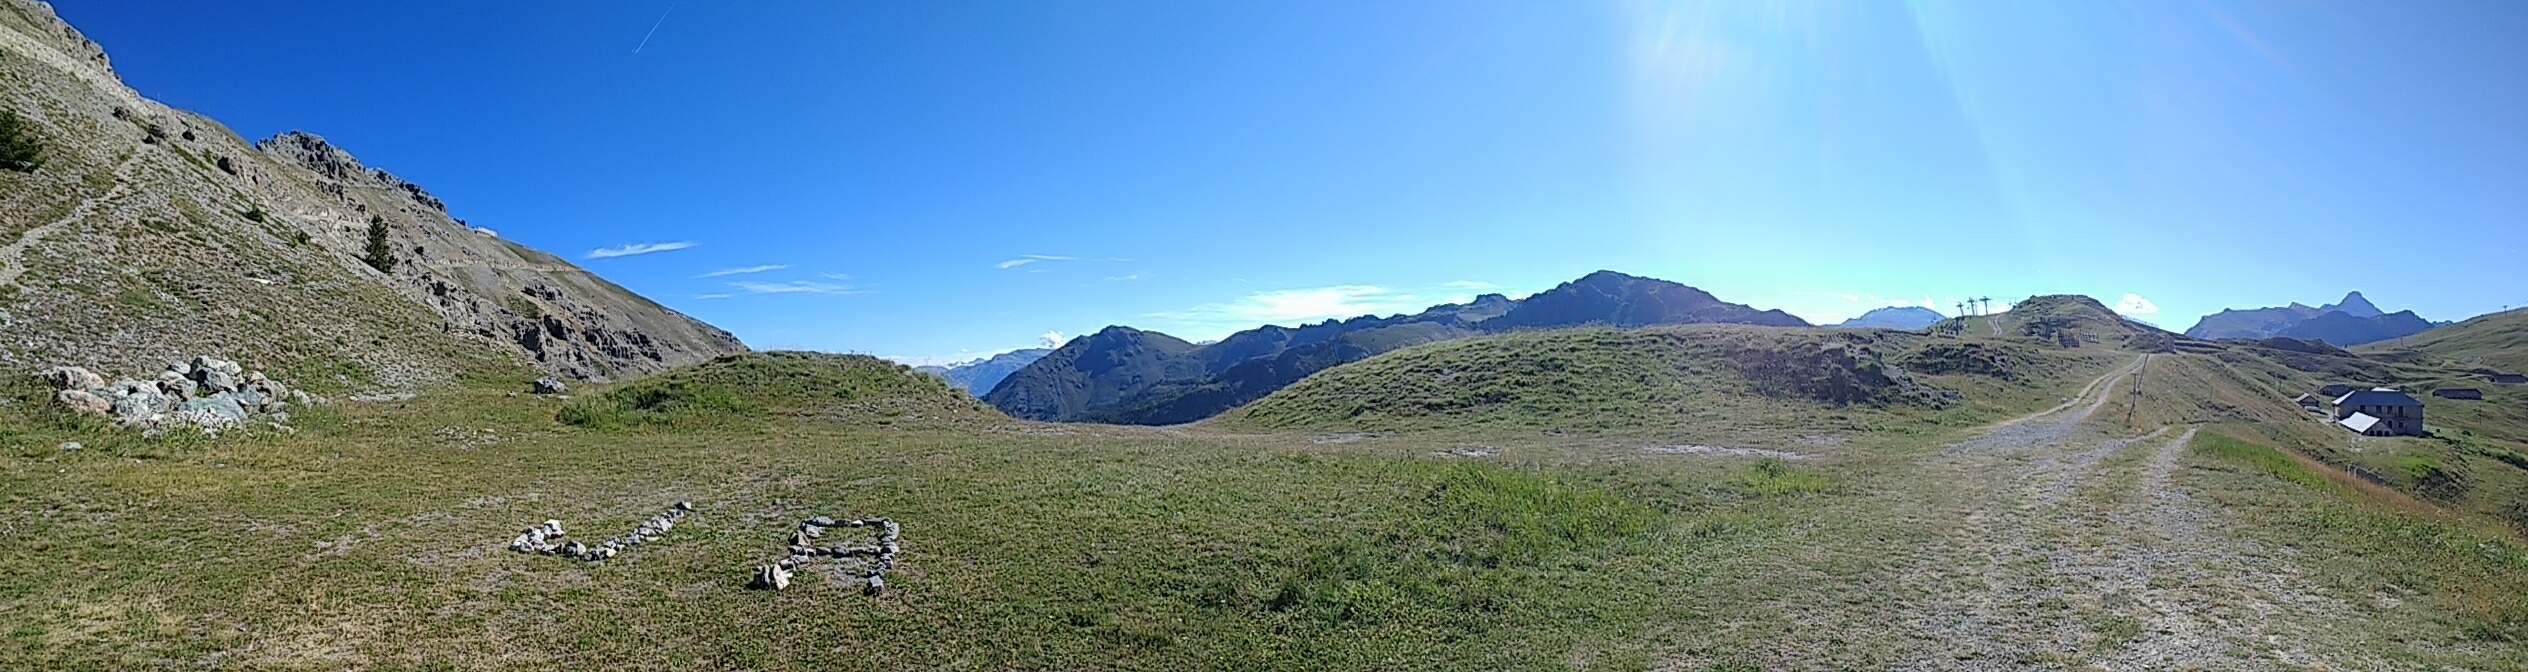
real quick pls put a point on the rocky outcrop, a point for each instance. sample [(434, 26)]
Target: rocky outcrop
[(206, 394)]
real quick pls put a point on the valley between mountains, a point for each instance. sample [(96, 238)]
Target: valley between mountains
[(498, 460)]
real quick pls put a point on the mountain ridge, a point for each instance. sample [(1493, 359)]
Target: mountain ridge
[(2361, 322), (1171, 382)]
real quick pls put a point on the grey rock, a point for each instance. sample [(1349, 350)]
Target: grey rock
[(180, 388), (819, 521), (684, 506), (249, 397), (218, 380), (771, 577), (84, 402), (574, 549), (220, 404), (139, 409), (551, 385), (73, 378), (181, 369), (877, 584), (67, 446)]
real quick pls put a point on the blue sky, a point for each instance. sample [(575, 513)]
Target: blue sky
[(931, 180)]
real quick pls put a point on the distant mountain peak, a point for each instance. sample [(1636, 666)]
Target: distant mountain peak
[(1896, 317), (2355, 305)]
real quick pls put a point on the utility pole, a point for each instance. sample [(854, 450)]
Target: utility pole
[(2136, 398)]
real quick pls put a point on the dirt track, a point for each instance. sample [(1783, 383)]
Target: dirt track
[(2069, 546)]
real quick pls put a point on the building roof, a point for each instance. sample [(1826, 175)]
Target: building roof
[(2358, 423), (2380, 396)]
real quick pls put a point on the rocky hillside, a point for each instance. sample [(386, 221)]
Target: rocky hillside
[(150, 231), (1129, 376), (2352, 321)]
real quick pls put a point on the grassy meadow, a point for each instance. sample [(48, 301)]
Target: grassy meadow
[(373, 536)]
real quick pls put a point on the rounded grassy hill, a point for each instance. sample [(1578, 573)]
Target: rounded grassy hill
[(784, 383)]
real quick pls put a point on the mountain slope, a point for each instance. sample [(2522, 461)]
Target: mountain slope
[(1253, 363), (2496, 341), (1896, 317), (1099, 369), (980, 375), (151, 233), (2345, 329), (1616, 299)]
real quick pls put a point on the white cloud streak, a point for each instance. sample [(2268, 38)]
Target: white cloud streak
[(631, 249), (1026, 259), (797, 287), (743, 270)]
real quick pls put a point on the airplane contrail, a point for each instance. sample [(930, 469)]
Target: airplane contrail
[(662, 20)]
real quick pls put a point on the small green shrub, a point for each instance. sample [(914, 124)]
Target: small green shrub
[(300, 238), (19, 150), (254, 214), (1772, 478), (139, 300), (380, 255)]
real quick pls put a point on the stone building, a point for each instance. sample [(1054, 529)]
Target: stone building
[(2380, 411)]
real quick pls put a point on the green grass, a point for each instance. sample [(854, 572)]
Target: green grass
[(2368, 544), (1773, 478), (2264, 458)]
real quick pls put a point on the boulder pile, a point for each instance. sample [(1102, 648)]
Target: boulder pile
[(803, 549), (546, 538), (207, 393)]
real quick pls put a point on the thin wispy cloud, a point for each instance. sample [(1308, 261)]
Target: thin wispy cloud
[(631, 249), (743, 270), (1026, 259), (712, 296), (797, 287), (1135, 276)]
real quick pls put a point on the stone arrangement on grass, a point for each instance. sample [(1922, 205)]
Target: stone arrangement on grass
[(546, 538), (803, 549), (206, 393)]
